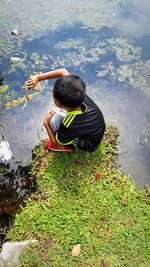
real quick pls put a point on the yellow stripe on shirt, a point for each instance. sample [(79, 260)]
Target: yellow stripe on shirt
[(67, 120), (70, 117), (70, 121)]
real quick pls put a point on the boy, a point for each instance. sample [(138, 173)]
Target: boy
[(83, 124)]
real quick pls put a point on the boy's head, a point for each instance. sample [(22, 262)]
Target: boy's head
[(69, 91)]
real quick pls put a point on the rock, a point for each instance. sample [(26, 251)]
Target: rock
[(5, 152), (11, 252), (76, 250), (15, 32)]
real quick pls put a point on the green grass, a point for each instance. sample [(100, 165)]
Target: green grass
[(108, 217)]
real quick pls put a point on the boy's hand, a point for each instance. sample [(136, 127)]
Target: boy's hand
[(32, 81), (48, 116)]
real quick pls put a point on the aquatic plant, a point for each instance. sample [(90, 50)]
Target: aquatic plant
[(3, 88), (131, 66), (18, 101)]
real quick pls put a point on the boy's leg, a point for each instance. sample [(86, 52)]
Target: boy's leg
[(56, 120), (55, 123)]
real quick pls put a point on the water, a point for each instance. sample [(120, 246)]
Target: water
[(107, 44)]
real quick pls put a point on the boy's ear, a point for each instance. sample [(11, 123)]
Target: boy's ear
[(57, 103)]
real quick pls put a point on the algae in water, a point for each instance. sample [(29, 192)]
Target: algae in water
[(18, 101), (130, 67), (34, 19), (3, 88)]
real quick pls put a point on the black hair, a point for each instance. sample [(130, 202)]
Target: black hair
[(69, 91)]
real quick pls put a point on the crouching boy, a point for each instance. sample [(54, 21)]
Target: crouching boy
[(82, 124)]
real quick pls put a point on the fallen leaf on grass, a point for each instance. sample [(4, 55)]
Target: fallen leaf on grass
[(80, 174), (49, 204), (97, 175), (76, 250), (122, 200)]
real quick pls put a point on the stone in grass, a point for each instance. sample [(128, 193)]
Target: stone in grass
[(11, 252), (76, 250)]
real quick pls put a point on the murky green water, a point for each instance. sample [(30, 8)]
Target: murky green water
[(105, 42)]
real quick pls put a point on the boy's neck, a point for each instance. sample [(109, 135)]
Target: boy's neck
[(74, 109), (81, 108)]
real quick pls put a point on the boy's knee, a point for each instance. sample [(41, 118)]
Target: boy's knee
[(56, 120)]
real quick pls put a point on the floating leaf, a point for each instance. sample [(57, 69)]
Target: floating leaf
[(3, 88), (146, 75), (76, 250), (80, 174), (14, 60)]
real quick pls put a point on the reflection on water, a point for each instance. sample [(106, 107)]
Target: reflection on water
[(133, 18), (104, 43), (35, 18), (14, 187), (129, 110)]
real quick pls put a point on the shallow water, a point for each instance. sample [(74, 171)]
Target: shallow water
[(106, 43)]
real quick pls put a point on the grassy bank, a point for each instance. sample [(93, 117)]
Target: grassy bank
[(84, 199)]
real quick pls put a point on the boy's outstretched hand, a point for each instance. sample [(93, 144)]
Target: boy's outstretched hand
[(32, 81)]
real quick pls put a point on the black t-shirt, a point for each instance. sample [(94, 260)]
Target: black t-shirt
[(86, 127)]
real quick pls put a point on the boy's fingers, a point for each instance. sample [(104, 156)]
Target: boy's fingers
[(30, 84), (52, 112), (30, 79)]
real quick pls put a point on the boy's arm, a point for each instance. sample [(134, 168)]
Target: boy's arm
[(33, 80)]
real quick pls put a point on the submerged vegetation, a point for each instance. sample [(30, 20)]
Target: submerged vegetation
[(18, 101), (27, 97), (85, 212)]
